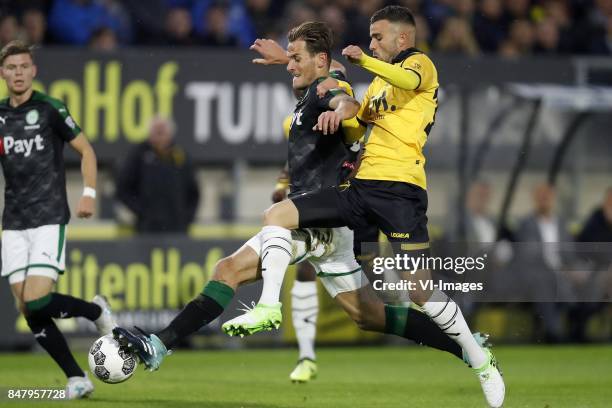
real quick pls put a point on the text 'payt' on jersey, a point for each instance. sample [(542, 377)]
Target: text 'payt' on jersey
[(32, 138)]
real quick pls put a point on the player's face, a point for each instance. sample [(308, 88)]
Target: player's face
[(384, 40), (302, 65), (18, 71)]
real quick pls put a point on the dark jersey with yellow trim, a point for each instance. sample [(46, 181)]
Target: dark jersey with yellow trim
[(32, 138), (315, 160), (400, 122)]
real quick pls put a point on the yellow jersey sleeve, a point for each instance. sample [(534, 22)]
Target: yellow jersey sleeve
[(422, 66), (287, 126), (394, 74)]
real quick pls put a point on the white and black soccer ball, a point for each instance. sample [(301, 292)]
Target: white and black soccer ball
[(109, 363)]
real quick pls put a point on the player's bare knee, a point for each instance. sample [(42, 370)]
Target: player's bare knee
[(226, 271), (269, 216)]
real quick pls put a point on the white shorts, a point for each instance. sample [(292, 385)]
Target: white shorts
[(38, 251), (330, 251)]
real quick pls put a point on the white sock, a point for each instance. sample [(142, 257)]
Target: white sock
[(275, 258), (447, 315), (304, 311)]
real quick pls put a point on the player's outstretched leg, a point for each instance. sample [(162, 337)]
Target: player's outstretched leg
[(40, 307), (304, 310), (275, 244), (229, 273), (447, 315)]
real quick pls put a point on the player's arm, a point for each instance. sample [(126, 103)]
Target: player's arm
[(343, 107), (273, 54), (402, 77), (89, 171)]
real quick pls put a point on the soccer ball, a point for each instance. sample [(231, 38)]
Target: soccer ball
[(109, 363)]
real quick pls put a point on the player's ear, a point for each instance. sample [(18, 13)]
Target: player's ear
[(321, 60)]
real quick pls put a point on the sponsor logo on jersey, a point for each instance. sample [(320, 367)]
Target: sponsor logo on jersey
[(70, 122), (297, 118), (9, 144), (32, 117)]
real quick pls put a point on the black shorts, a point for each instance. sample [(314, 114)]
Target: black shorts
[(397, 209)]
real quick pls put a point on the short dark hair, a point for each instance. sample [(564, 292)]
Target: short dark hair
[(15, 47), (317, 36), (395, 14)]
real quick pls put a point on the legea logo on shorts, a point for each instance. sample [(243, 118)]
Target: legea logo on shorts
[(9, 144), (400, 235)]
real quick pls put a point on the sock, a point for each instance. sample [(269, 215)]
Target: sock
[(304, 311), (447, 315), (51, 339), (61, 306), (205, 308), (275, 258), (411, 324)]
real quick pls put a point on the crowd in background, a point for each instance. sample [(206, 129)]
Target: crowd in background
[(510, 28)]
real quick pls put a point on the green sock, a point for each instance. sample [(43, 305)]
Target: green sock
[(414, 325)]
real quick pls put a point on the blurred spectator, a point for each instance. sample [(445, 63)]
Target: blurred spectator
[(488, 25), (516, 10), (437, 12), (299, 13), (9, 29), (334, 17), (465, 9), (521, 34), (509, 50), (422, 34), (480, 225), (103, 39), (34, 24), (547, 37), (456, 37), (239, 23), (148, 19), (598, 227), (262, 16), (157, 183), (179, 30), (73, 21), (217, 33), (594, 32), (542, 261)]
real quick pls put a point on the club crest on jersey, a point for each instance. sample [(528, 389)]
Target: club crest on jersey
[(9, 144), (32, 117)]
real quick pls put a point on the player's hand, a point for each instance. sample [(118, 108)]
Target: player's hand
[(86, 207), (328, 122), (279, 195), (270, 51), (326, 85), (353, 53)]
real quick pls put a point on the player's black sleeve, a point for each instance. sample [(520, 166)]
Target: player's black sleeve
[(339, 75), (63, 124)]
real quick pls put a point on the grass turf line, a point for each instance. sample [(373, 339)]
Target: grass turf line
[(538, 377)]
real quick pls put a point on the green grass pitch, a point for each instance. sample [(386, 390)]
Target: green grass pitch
[(536, 377)]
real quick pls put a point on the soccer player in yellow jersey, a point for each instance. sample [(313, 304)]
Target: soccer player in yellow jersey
[(389, 189)]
